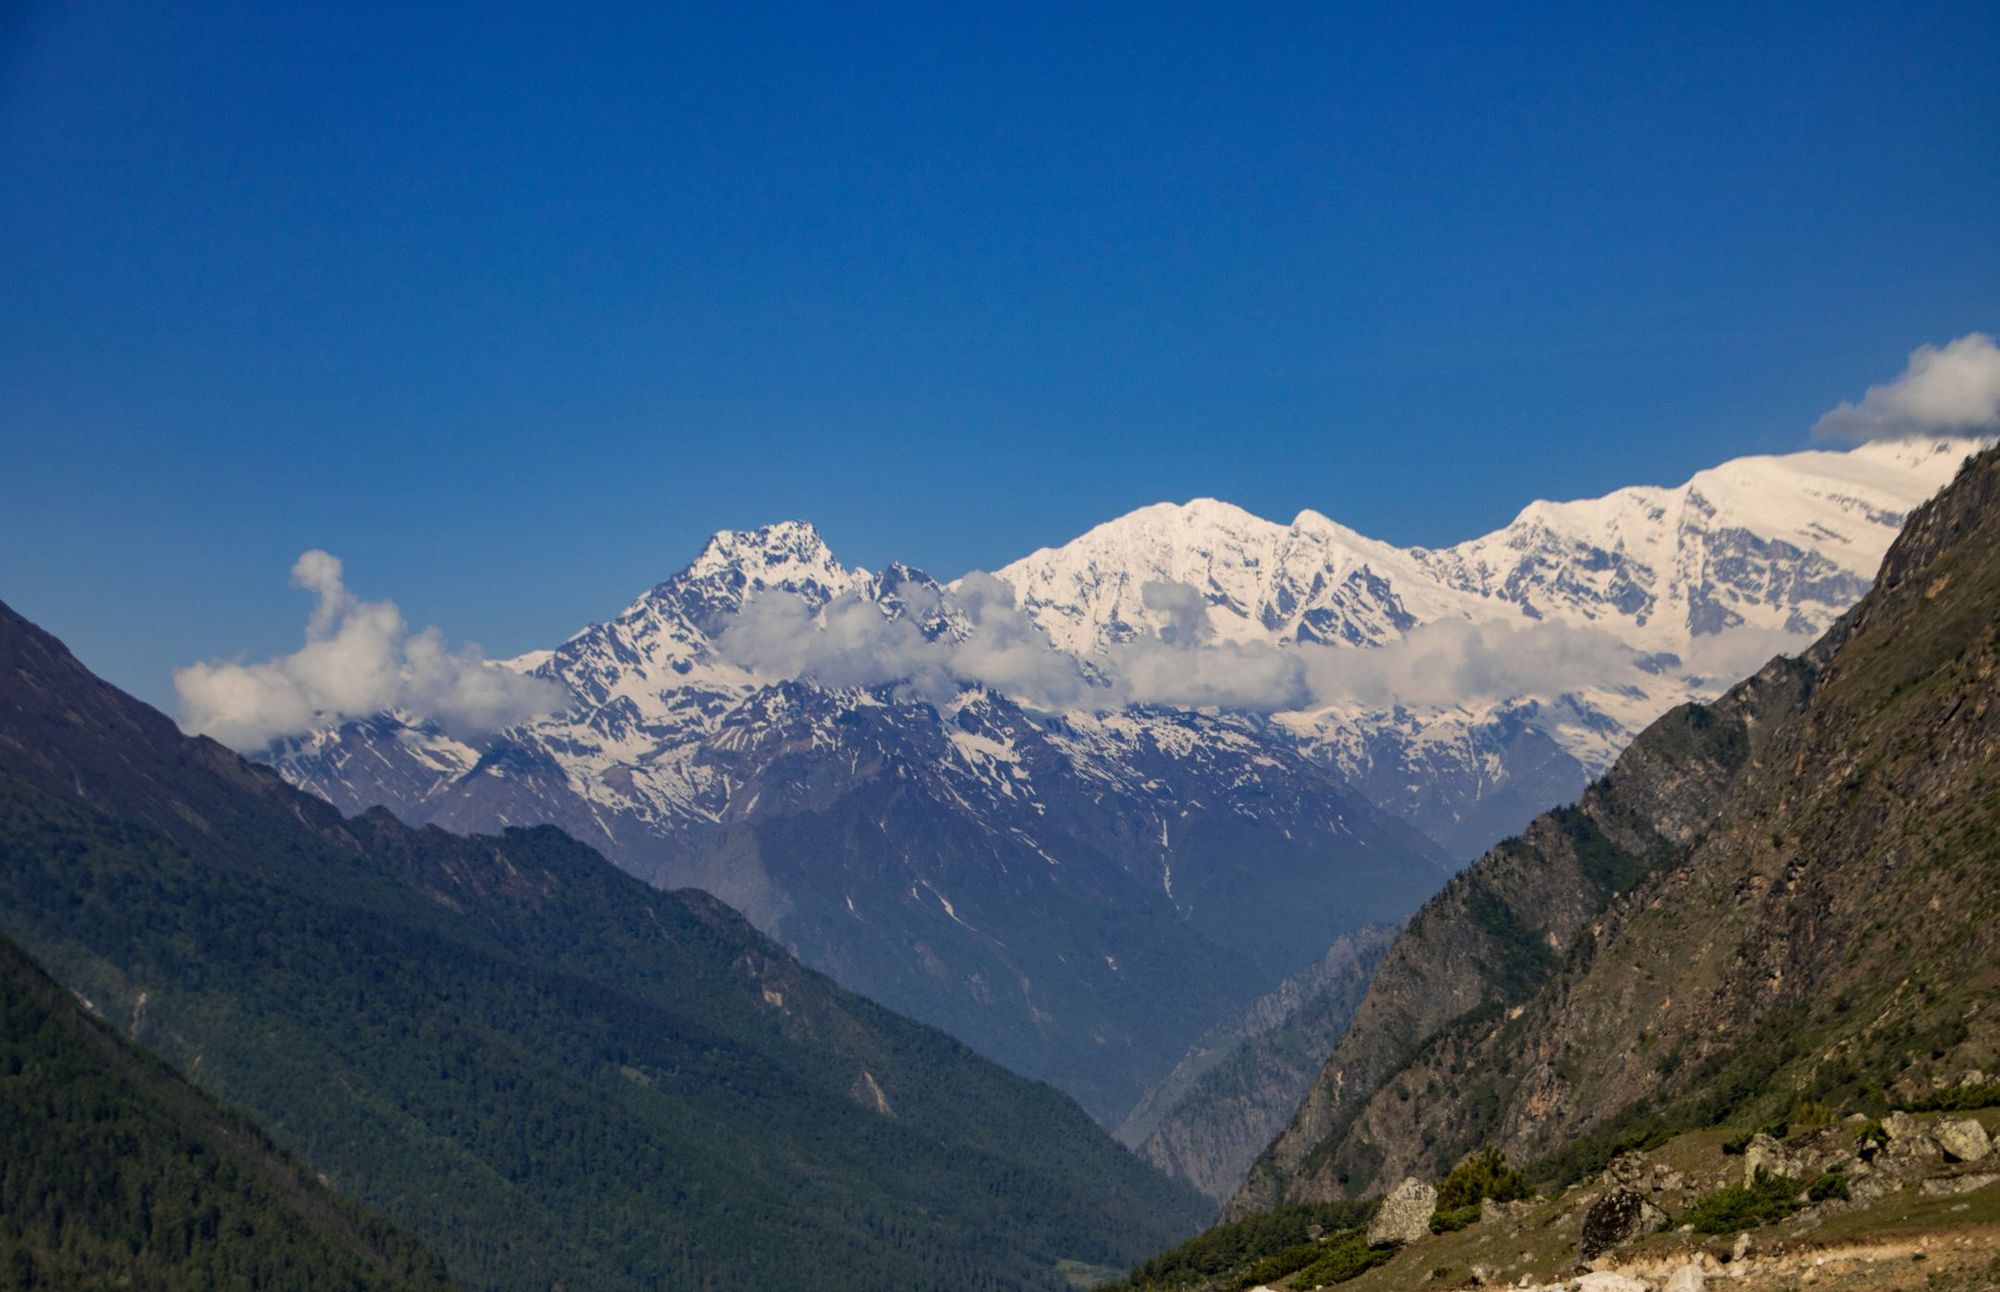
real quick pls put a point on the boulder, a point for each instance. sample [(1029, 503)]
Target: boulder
[(1900, 1125), (1944, 1186), (1688, 1278), (1405, 1215), (1962, 1139), (1629, 1169), (1620, 1216), (1768, 1157), (1871, 1187), (1606, 1281), (1907, 1137)]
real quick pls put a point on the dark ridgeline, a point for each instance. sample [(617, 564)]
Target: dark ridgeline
[(549, 1071)]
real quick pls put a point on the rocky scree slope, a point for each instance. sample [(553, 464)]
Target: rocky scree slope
[(550, 1071), (1786, 895)]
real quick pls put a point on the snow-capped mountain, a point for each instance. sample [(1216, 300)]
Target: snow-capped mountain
[(1078, 894), (1771, 542), (1515, 665), (1016, 809)]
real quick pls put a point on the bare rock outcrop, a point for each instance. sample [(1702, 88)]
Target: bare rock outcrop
[(1405, 1215)]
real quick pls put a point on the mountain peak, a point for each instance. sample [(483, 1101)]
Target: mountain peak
[(768, 553), (1172, 522)]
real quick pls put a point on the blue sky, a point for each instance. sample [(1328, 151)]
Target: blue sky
[(510, 307)]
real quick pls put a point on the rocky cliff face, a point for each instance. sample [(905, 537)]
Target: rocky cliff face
[(1786, 895)]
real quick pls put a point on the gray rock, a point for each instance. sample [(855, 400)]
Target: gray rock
[(1688, 1278), (1405, 1215), (1901, 1125), (1870, 1188), (1607, 1281), (1767, 1156), (1907, 1136), (1962, 1139), (1740, 1249), (1620, 1216), (1627, 1169), (1490, 1211), (1944, 1186)]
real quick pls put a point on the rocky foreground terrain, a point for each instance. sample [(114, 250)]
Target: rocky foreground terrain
[(1916, 1214), (1909, 1201)]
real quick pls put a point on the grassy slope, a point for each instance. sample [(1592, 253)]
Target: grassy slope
[(1538, 1240)]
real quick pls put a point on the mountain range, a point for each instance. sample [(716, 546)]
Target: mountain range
[(1083, 810)]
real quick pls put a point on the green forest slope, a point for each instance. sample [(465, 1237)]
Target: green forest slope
[(115, 1172), (550, 1071)]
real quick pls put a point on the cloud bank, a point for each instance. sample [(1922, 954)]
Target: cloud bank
[(1181, 664), (988, 642), (1946, 390), (359, 658)]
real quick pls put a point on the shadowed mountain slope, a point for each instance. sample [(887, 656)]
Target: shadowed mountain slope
[(1236, 1089)]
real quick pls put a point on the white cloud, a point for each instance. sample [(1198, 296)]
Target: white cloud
[(359, 658), (1946, 390), (851, 643), (1726, 657), (1181, 664), (1455, 662)]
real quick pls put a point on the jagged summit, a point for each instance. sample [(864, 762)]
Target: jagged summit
[(790, 551)]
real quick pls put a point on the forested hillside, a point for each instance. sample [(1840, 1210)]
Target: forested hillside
[(550, 1071), (115, 1172)]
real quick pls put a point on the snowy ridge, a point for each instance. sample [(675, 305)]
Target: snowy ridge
[(1697, 583), (1754, 539)]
